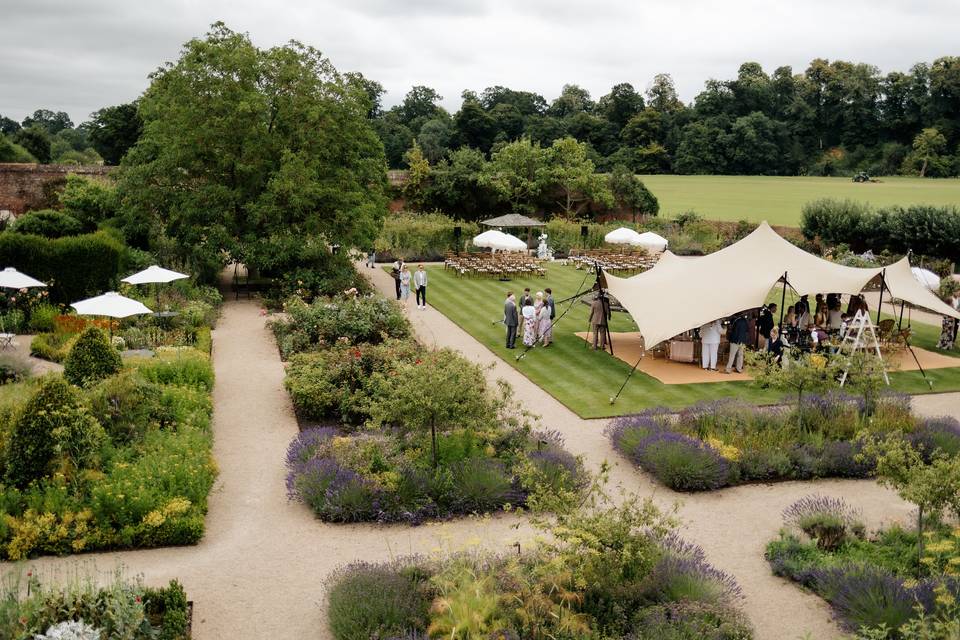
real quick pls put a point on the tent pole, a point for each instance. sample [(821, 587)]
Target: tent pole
[(883, 283), (783, 301), (920, 366), (903, 303), (614, 398)]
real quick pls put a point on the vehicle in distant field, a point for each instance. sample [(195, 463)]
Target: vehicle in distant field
[(862, 176)]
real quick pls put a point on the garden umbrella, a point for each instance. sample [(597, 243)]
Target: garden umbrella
[(111, 305), (623, 235), (10, 278), (494, 239), (926, 277), (156, 275), (652, 241)]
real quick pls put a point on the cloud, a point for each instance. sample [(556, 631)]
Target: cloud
[(79, 57)]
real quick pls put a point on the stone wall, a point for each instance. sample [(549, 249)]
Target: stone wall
[(25, 187)]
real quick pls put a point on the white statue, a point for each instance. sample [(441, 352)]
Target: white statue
[(543, 252)]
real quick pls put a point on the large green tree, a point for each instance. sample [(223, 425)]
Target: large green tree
[(113, 130), (516, 174), (242, 144), (571, 173)]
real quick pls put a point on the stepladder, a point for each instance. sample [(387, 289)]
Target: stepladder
[(861, 336)]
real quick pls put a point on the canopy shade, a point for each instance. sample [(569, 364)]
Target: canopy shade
[(10, 278), (494, 239), (110, 304), (623, 235), (513, 220), (154, 274), (926, 277), (679, 294)]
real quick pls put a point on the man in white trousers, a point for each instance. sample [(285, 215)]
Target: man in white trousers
[(710, 343)]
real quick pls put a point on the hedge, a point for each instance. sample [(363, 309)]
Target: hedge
[(925, 229), (421, 236), (75, 267)]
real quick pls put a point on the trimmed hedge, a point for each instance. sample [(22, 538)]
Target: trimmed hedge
[(75, 267), (48, 223), (925, 229)]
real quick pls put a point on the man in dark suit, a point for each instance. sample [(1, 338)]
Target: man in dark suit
[(553, 307), (395, 272), (765, 324), (526, 300), (510, 319), (738, 342)]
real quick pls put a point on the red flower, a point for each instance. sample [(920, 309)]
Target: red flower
[(356, 353), (419, 361), (138, 599)]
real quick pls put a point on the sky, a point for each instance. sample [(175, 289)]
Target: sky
[(80, 56)]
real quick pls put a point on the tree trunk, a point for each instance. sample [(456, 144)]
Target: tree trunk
[(923, 167)]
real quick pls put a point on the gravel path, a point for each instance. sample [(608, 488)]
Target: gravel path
[(260, 570), (732, 525)]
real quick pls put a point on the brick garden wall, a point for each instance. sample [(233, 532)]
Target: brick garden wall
[(25, 187)]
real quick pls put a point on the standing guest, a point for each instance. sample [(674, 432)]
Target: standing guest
[(948, 328), (738, 342), (803, 304), (420, 285), (598, 322), (395, 270), (526, 299), (765, 324), (371, 258), (529, 324), (553, 307), (510, 319), (710, 343), (805, 320), (404, 284), (545, 324)]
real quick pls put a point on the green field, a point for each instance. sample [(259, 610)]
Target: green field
[(584, 380), (778, 200)]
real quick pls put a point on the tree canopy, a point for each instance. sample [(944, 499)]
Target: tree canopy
[(243, 146)]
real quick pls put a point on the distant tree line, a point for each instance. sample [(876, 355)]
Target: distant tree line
[(50, 136), (835, 118)]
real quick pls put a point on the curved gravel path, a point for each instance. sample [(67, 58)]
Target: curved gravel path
[(260, 570)]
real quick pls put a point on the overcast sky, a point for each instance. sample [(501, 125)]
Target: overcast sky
[(80, 56)]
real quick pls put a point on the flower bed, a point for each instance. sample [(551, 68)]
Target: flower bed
[(612, 572), (877, 584), (122, 462), (717, 444), (405, 433), (80, 610)]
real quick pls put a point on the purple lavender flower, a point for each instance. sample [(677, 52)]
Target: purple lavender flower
[(683, 573), (681, 462), (304, 446)]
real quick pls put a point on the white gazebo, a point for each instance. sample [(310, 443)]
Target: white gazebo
[(498, 240)]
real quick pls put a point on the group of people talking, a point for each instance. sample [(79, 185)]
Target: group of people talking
[(534, 313), (802, 325)]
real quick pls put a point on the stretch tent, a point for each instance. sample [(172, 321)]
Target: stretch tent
[(683, 293)]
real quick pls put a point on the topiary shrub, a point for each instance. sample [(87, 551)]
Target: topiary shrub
[(167, 610), (53, 426), (92, 358), (48, 223)]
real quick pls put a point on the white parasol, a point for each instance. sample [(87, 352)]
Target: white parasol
[(111, 305), (494, 239), (926, 277)]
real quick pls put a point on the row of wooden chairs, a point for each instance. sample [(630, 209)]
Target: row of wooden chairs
[(612, 260), (493, 265)]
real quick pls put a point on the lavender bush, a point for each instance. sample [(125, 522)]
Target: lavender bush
[(827, 520), (688, 620), (681, 462), (683, 573)]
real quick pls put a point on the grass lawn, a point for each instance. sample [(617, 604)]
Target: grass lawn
[(778, 200), (582, 379)]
